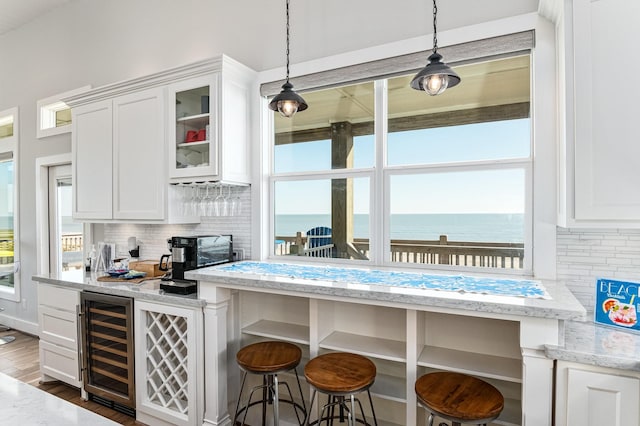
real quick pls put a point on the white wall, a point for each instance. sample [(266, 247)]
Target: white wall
[(586, 255), (98, 42)]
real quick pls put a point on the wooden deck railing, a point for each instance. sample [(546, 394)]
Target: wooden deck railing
[(434, 252), (72, 242)]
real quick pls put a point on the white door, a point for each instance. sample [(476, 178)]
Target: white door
[(65, 236)]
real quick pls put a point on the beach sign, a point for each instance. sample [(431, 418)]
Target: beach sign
[(617, 304)]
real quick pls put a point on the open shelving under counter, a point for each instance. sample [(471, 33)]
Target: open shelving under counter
[(405, 330)]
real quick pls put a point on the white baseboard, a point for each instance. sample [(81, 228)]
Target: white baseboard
[(20, 325)]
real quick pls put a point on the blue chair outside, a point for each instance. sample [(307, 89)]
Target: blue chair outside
[(318, 237)]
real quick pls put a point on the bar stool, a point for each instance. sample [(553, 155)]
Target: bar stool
[(268, 359), (340, 376), (459, 398)]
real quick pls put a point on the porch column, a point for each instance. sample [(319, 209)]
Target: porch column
[(341, 189)]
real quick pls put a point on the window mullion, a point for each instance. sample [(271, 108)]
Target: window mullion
[(379, 233)]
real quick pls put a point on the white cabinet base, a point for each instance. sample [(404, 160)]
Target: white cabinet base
[(58, 329), (59, 363), (169, 387), (594, 396)]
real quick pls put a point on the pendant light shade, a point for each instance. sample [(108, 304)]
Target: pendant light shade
[(287, 102), (437, 76)]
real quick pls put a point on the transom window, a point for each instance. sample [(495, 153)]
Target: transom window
[(378, 172)]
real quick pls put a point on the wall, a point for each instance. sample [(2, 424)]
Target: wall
[(98, 42), (585, 255), (152, 238)]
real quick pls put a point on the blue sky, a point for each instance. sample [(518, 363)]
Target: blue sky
[(478, 192)]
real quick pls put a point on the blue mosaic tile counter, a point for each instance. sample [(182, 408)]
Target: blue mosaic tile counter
[(525, 297)]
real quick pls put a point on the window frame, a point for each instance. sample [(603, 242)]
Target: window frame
[(495, 35), (10, 144), (379, 182), (46, 112)]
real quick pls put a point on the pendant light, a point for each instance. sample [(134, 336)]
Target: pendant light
[(437, 76), (287, 102)]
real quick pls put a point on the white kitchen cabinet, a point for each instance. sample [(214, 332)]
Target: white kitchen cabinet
[(92, 148), (58, 329), (599, 172), (209, 124), (594, 396), (129, 144), (139, 180), (118, 157), (169, 364)]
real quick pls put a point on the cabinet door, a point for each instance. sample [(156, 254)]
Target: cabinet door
[(169, 364), (193, 128), (140, 182), (605, 35), (91, 141), (596, 399)]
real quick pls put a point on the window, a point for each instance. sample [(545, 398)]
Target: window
[(9, 248), (54, 116), (392, 176)]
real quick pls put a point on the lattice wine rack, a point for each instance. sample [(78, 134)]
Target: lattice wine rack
[(167, 361)]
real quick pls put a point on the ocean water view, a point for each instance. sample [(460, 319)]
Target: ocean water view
[(481, 227)]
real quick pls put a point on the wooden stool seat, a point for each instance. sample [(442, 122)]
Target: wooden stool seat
[(340, 373), (269, 357), (459, 397)]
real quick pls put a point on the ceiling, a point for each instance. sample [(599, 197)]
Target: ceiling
[(14, 13)]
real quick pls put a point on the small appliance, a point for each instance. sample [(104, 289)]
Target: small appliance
[(189, 253)]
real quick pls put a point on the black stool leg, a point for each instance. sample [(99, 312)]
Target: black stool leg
[(373, 412), (235, 416), (265, 390)]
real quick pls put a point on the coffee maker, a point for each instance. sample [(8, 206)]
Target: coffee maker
[(189, 253)]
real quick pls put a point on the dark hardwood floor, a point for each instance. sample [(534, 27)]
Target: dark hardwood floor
[(20, 359)]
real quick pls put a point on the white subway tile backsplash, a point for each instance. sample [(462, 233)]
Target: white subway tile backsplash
[(153, 238), (583, 256)]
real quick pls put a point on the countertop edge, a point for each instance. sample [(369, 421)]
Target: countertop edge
[(166, 299), (593, 344), (435, 298)]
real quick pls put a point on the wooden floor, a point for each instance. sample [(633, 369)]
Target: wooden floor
[(20, 360)]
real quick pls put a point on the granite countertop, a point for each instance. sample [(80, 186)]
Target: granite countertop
[(146, 290), (594, 344), (23, 404), (560, 304)]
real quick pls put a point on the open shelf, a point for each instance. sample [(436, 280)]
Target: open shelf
[(279, 330), (376, 347), (512, 413), (490, 366), (389, 387)]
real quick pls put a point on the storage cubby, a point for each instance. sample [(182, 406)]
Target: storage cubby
[(373, 331), (275, 317), (485, 347)]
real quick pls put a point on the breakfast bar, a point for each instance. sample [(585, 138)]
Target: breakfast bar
[(408, 323)]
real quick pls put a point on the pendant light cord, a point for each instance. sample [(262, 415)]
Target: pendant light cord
[(435, 29), (287, 52)]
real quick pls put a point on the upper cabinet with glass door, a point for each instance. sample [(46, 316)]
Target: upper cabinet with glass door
[(193, 124), (209, 126)]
